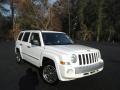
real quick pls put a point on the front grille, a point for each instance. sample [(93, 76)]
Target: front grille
[(88, 58)]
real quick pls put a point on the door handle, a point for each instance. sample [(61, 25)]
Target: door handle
[(20, 44), (28, 46)]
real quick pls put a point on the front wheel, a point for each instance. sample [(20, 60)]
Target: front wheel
[(49, 74)]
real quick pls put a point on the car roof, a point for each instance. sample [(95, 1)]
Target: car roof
[(41, 31)]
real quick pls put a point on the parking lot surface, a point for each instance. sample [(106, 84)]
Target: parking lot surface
[(25, 76)]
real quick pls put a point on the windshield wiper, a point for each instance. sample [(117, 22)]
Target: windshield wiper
[(68, 43)]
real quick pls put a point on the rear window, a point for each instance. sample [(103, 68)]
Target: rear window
[(26, 36), (20, 36)]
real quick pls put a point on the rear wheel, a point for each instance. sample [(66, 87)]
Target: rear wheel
[(49, 73), (18, 57)]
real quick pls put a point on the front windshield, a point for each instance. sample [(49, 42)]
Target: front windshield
[(56, 39)]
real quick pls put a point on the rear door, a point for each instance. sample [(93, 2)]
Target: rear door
[(19, 42), (24, 45)]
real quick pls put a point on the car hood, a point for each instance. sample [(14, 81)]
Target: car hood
[(69, 48)]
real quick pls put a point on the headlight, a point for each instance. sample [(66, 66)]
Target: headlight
[(73, 58)]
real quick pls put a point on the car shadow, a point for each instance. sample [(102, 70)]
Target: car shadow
[(29, 81)]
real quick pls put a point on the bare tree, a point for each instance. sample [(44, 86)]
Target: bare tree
[(111, 33), (82, 5)]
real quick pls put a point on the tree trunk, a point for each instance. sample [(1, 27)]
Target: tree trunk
[(99, 13)]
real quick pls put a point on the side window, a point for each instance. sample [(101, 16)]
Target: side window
[(35, 39), (26, 36), (20, 36)]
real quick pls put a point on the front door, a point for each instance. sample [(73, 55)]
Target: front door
[(34, 49)]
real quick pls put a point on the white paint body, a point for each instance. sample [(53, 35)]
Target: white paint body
[(57, 53)]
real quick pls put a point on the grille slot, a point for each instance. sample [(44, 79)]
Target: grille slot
[(83, 57), (88, 58), (80, 59)]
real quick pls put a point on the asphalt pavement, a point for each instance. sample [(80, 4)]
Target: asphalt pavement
[(25, 76)]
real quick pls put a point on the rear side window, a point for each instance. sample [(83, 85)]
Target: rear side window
[(20, 36), (26, 36)]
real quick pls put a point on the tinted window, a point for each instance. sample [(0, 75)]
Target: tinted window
[(20, 36), (35, 38), (26, 36)]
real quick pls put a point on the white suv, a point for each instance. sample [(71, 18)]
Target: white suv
[(58, 56)]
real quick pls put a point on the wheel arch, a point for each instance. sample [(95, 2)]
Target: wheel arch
[(46, 59), (55, 62), (17, 49)]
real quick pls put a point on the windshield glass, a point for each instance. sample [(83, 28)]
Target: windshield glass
[(56, 39)]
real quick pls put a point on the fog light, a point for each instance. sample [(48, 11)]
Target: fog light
[(69, 71)]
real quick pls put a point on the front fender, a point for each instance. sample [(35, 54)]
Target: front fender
[(51, 56), (56, 60)]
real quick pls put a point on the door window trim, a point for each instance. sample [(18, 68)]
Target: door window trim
[(39, 38)]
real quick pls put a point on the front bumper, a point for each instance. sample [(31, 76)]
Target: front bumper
[(73, 72)]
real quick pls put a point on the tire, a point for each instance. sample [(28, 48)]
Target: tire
[(18, 57), (49, 73)]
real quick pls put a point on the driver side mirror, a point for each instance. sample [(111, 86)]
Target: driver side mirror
[(35, 42)]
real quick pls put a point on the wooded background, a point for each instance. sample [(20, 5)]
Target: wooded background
[(88, 20)]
